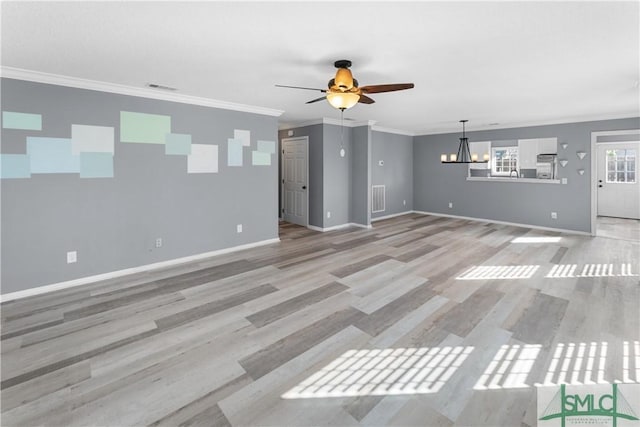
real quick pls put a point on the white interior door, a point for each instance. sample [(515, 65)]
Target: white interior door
[(618, 188), (295, 195)]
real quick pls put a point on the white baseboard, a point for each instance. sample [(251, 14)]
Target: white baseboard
[(515, 224), (391, 216), (114, 274), (337, 227)]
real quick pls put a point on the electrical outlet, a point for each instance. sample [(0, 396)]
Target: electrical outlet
[(554, 215), (450, 205), (564, 180), (159, 242), (328, 214), (72, 257), (290, 133), (239, 228)]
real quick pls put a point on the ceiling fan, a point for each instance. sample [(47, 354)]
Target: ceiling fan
[(344, 92)]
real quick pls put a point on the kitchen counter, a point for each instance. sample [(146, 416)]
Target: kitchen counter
[(513, 180)]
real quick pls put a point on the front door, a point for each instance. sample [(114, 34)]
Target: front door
[(618, 188), (295, 201)]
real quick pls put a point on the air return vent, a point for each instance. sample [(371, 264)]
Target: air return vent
[(377, 198), (160, 87)]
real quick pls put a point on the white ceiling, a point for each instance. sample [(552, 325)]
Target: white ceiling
[(511, 63)]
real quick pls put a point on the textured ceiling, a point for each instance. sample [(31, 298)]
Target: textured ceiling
[(497, 64)]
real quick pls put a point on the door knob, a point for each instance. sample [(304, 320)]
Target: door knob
[(304, 187), (599, 180), (600, 185)]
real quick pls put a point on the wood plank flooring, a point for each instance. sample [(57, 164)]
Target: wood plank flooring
[(402, 324)]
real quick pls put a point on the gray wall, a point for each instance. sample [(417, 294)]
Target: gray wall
[(436, 184), (396, 151), (315, 184), (337, 175), (361, 176), (113, 222)]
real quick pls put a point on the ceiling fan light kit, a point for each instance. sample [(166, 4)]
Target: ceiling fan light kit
[(463, 155), (344, 91), (343, 100)]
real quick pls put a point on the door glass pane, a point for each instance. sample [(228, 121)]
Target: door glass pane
[(621, 165)]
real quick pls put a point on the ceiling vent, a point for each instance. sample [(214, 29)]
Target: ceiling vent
[(160, 87)]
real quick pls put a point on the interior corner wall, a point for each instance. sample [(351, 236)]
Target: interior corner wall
[(361, 176), (316, 164), (337, 175), (113, 222), (395, 173), (436, 184)]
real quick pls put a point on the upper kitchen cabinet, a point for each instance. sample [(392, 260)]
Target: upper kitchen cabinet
[(528, 150)]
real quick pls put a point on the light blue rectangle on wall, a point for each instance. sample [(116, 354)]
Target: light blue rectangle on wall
[(267, 147), (96, 165), (14, 166), (51, 155), (25, 121), (178, 144), (259, 158), (234, 152)]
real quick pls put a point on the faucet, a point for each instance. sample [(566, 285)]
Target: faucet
[(512, 171)]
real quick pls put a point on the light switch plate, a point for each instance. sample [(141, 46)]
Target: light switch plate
[(72, 257)]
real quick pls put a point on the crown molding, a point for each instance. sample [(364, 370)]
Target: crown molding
[(327, 121), (533, 123), (392, 130), (142, 92)]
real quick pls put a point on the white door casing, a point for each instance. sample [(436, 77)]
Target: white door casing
[(618, 190), (295, 192)]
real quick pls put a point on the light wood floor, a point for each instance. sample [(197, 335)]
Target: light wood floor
[(418, 321), (618, 228)]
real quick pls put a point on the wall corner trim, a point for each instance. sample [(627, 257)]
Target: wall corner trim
[(119, 273), (143, 92)]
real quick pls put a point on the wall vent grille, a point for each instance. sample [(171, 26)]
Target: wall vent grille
[(377, 198)]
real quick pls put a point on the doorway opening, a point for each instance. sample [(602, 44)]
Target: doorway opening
[(294, 182), (615, 193)]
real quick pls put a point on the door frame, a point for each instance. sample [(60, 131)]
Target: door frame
[(594, 167), (305, 139)]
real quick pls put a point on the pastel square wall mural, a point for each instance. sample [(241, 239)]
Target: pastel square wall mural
[(90, 150), (14, 166), (94, 139), (267, 147), (177, 144), (203, 159), (262, 156), (234, 152), (144, 128), (243, 135), (259, 158), (51, 155), (24, 121)]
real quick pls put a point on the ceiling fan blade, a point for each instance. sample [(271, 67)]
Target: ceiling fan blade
[(322, 98), (366, 100), (386, 88), (300, 87)]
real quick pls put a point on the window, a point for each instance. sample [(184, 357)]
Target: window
[(621, 166), (504, 160)]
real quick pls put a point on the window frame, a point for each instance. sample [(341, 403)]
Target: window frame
[(494, 160)]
